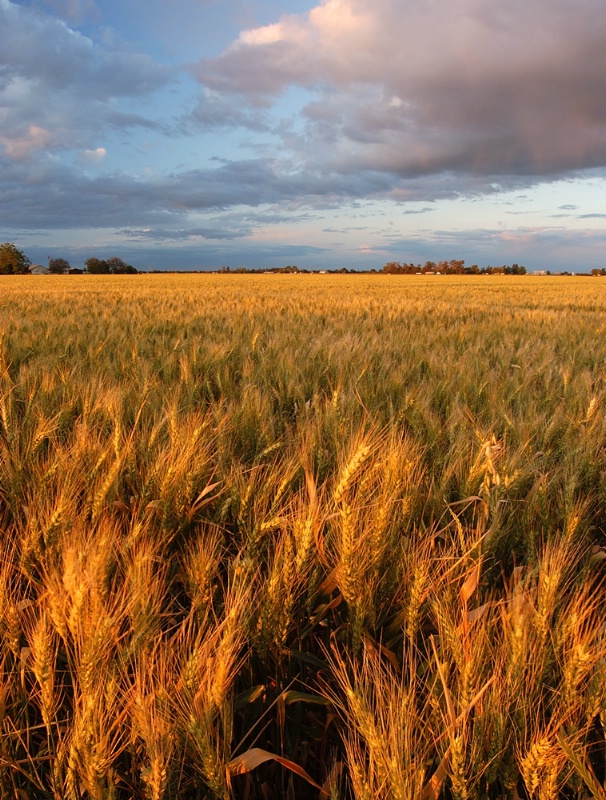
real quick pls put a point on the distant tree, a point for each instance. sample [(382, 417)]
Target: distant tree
[(456, 266), (96, 266), (119, 267), (58, 266), (12, 260)]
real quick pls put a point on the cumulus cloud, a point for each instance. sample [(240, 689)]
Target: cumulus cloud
[(478, 86), (57, 81)]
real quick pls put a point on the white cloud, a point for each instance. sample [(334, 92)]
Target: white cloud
[(93, 156), (260, 36)]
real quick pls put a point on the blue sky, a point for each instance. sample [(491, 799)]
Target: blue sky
[(194, 134)]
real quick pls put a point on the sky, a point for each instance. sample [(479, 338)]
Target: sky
[(198, 134)]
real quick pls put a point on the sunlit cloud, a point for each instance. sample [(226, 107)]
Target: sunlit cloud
[(20, 147), (93, 156), (418, 88)]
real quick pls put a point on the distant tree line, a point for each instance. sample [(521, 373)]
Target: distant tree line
[(111, 266), (288, 270), (14, 262), (94, 266), (452, 267)]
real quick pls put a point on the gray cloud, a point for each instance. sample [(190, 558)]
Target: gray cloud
[(44, 194), (42, 49), (58, 88), (215, 110), (220, 231), (235, 197), (426, 210), (417, 88)]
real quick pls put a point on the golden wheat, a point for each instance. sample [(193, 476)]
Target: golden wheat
[(352, 523)]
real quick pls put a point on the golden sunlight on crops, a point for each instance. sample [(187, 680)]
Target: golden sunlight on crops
[(302, 537)]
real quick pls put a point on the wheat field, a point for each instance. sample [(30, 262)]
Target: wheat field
[(302, 536)]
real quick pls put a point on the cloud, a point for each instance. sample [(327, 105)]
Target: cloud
[(93, 156), (235, 197), (477, 86), (32, 139), (48, 194), (58, 87), (425, 210), (71, 10), (215, 110), (218, 231)]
